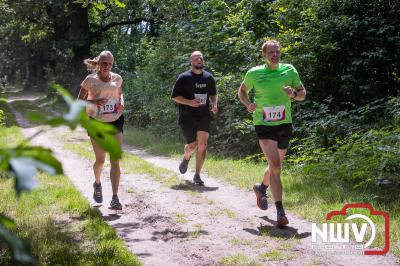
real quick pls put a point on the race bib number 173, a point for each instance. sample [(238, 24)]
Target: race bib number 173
[(109, 108), (274, 113)]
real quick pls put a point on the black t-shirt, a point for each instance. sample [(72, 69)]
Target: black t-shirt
[(190, 86)]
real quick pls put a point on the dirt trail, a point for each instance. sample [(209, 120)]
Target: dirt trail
[(187, 225)]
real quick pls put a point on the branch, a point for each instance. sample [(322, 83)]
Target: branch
[(126, 22)]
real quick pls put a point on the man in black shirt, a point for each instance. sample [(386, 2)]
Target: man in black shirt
[(193, 91)]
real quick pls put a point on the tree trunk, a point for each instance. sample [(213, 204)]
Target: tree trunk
[(80, 39)]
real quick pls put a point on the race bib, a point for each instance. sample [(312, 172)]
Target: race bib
[(109, 108), (274, 113), (202, 98)]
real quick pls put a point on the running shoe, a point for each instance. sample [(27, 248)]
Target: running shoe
[(115, 204), (281, 219), (197, 180), (262, 200), (183, 166), (97, 193)]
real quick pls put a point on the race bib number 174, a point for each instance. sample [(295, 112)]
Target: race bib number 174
[(274, 113)]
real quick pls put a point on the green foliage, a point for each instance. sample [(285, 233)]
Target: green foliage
[(367, 160), (345, 49), (360, 147), (2, 118)]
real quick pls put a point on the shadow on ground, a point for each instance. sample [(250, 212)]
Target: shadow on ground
[(190, 186), (284, 232)]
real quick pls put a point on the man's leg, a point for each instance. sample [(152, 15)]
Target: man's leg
[(202, 139), (261, 189), (100, 155), (189, 150), (271, 151), (189, 132), (266, 179)]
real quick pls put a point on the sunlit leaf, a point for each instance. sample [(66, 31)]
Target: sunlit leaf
[(104, 136), (75, 108), (7, 222), (24, 169)]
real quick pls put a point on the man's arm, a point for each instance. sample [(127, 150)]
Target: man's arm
[(298, 94), (214, 103), (244, 98), (184, 101)]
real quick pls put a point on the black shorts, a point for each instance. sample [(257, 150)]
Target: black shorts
[(119, 124), (190, 126), (280, 133)]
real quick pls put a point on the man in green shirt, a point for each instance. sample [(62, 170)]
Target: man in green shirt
[(275, 85)]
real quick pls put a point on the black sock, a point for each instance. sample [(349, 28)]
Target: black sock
[(279, 206), (263, 188)]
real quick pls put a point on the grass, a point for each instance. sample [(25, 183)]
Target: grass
[(151, 143), (60, 227), (276, 254), (197, 232), (55, 221), (6, 117), (237, 260), (309, 198), (181, 218), (222, 212), (240, 242)]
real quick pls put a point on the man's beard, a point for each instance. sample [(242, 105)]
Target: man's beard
[(198, 67)]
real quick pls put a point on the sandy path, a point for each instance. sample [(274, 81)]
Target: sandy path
[(185, 225)]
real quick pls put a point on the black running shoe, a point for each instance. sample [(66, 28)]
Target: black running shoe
[(197, 180), (115, 204), (262, 200), (97, 193), (183, 166), (281, 219)]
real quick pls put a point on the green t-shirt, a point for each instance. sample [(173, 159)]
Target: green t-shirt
[(273, 104)]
